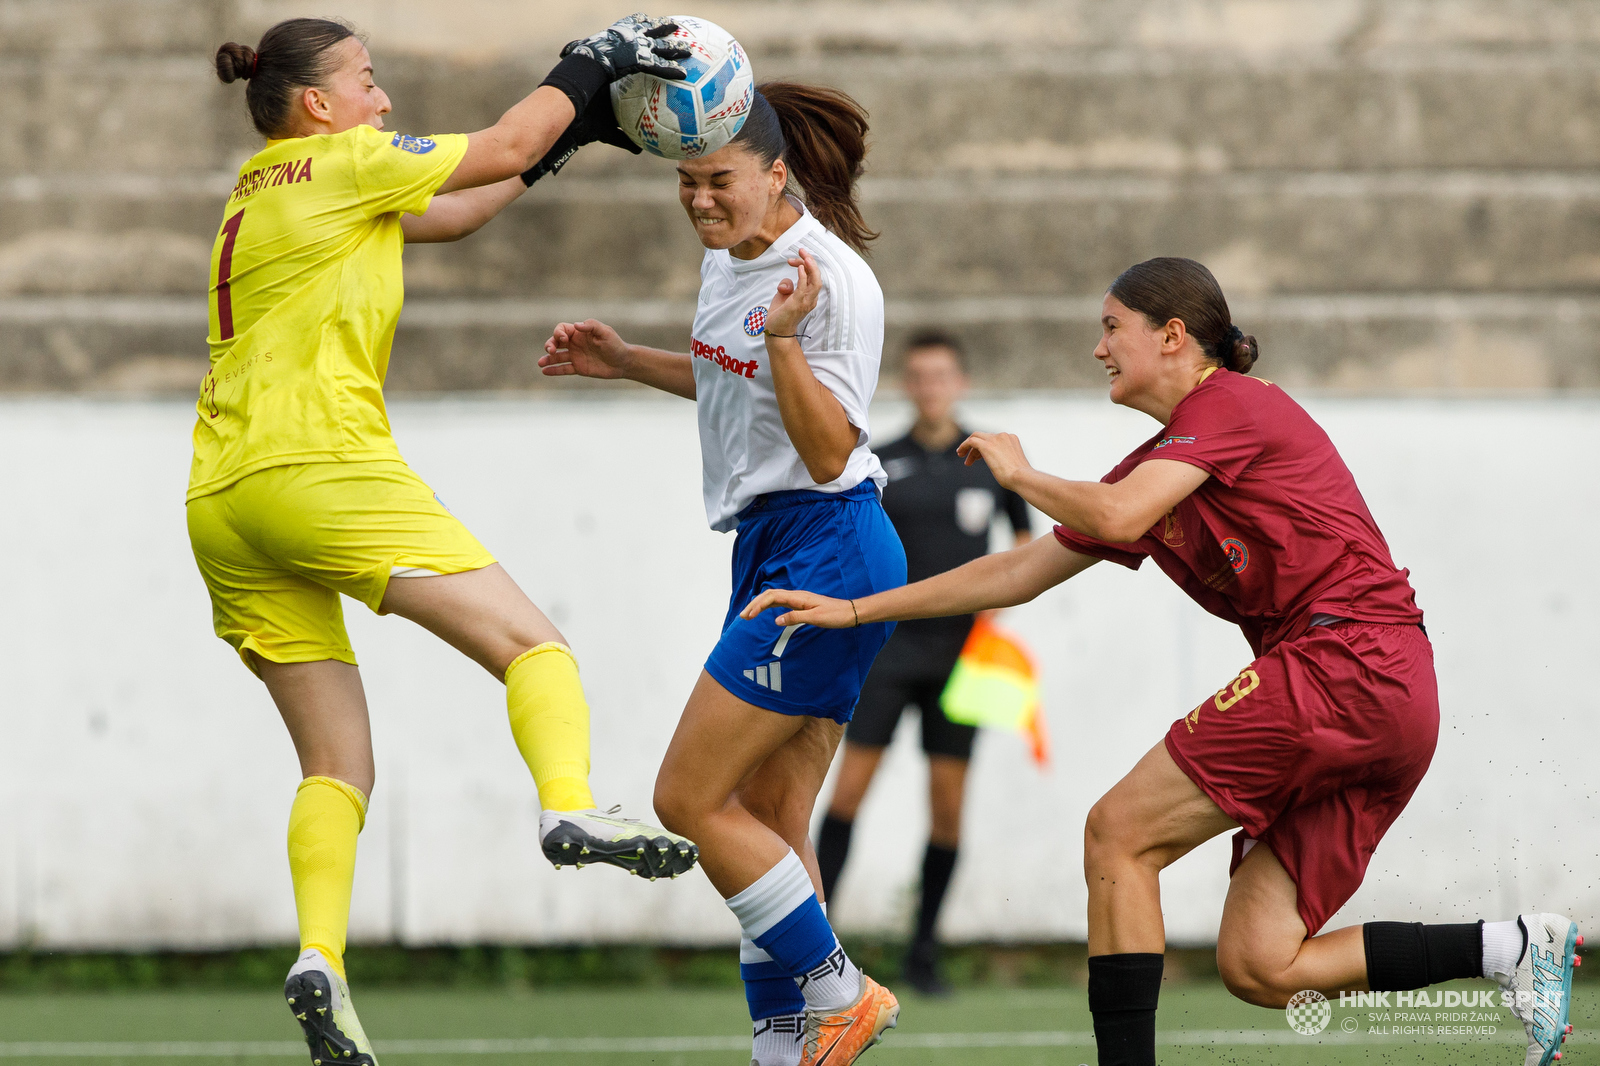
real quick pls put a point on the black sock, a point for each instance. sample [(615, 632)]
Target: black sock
[(833, 845), (1402, 956), (938, 863), (1122, 996)]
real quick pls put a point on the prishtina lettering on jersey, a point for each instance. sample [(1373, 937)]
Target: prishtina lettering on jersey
[(719, 355), (414, 145), (277, 174)]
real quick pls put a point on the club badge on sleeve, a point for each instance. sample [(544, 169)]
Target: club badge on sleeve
[(414, 145)]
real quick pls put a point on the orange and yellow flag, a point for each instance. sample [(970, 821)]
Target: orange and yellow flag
[(995, 684)]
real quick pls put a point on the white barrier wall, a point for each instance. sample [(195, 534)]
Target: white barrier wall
[(145, 779)]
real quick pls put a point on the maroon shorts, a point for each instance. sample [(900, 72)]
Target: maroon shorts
[(1315, 749)]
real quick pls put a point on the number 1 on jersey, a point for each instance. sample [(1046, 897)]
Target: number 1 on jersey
[(230, 230)]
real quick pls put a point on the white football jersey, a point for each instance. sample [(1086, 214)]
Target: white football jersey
[(743, 447)]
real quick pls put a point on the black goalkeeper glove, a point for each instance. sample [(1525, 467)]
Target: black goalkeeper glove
[(598, 123), (628, 46)]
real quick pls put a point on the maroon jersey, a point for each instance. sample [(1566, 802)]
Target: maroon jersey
[(1278, 533)]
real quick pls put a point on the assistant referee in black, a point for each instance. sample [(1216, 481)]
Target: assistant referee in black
[(942, 510)]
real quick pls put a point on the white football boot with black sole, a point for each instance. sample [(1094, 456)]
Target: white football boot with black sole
[(578, 838), (320, 1001), (1539, 993)]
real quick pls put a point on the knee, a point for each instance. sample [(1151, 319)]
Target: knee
[(675, 806), (780, 812), (783, 806), (1103, 837), (1248, 979)]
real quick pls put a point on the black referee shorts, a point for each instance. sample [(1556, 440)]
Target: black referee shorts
[(910, 675)]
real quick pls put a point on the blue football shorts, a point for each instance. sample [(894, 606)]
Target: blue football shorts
[(833, 544)]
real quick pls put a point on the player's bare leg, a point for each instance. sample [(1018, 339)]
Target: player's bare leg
[(1149, 819), (483, 614), (487, 617), (1263, 953), (781, 793), (1265, 957), (325, 708), (721, 741)]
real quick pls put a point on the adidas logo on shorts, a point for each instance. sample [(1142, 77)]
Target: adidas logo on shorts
[(770, 675)]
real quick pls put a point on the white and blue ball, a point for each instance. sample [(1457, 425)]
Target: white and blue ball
[(694, 117)]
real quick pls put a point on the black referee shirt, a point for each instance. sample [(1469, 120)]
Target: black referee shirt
[(942, 509)]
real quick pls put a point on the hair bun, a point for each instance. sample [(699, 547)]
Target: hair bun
[(235, 61), (1245, 352)]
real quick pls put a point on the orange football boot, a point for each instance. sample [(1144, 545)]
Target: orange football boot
[(838, 1038)]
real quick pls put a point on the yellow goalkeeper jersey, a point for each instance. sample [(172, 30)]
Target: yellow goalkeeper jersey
[(306, 289)]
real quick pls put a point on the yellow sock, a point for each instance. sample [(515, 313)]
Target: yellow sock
[(550, 722), (323, 824)]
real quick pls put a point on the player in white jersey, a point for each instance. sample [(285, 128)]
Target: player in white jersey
[(784, 360)]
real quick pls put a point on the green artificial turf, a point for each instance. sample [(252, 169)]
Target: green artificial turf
[(1195, 1010)]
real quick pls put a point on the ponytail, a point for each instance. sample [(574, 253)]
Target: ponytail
[(821, 134)]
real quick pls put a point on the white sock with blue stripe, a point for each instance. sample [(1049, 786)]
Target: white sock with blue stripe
[(780, 914), (1503, 945)]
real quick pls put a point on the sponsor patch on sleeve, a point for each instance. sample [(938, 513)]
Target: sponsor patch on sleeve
[(1164, 441), (414, 145)]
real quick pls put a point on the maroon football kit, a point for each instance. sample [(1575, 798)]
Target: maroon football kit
[(1316, 747)]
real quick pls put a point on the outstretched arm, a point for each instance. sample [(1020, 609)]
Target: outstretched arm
[(1004, 579), (454, 215), (515, 143), (1119, 513), (587, 68), (592, 349)]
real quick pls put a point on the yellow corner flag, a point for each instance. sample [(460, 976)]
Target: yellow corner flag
[(995, 684)]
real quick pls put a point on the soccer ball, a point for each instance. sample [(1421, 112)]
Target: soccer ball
[(690, 118)]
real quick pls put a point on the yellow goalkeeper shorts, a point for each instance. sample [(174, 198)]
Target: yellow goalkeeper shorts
[(277, 548)]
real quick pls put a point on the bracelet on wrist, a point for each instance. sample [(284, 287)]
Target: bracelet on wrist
[(854, 615)]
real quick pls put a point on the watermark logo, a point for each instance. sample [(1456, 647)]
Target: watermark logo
[(1309, 1012)]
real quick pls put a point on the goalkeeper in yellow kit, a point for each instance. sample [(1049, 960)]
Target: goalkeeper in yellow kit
[(298, 492)]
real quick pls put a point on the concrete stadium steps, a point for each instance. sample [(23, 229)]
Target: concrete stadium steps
[(1355, 342), (1405, 189), (1026, 112), (1124, 110), (953, 236), (511, 27)]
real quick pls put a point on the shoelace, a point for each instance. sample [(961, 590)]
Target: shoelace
[(612, 814), (813, 1032)]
